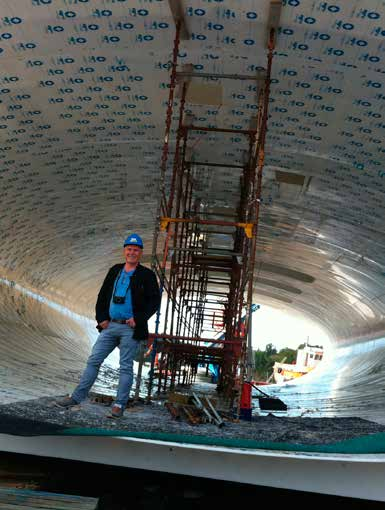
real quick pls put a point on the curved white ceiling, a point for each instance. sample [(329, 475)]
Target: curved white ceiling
[(83, 87)]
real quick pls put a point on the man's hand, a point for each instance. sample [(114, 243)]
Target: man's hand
[(131, 322), (104, 324)]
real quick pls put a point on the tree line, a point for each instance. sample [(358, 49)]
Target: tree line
[(264, 360)]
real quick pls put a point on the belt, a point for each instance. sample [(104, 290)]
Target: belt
[(119, 321)]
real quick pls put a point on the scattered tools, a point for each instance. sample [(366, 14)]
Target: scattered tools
[(193, 409), (179, 398), (200, 406), (268, 403), (217, 418), (192, 416), (100, 398), (173, 410)]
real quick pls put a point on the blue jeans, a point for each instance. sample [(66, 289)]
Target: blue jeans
[(115, 335)]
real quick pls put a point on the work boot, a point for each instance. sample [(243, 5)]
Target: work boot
[(116, 412), (66, 402)]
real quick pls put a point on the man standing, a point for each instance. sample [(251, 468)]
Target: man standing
[(128, 297)]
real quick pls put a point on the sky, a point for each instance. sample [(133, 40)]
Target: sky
[(273, 326)]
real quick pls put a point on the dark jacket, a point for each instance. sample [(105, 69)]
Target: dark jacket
[(145, 298)]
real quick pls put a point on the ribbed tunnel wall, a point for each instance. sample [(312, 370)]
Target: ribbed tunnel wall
[(42, 350), (83, 87), (350, 382)]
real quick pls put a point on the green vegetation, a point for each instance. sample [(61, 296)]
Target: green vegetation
[(264, 360)]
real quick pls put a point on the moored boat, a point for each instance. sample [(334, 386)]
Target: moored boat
[(308, 358)]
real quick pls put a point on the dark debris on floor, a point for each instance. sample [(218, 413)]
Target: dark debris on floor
[(41, 416)]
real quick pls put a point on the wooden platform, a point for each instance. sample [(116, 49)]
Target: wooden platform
[(22, 499)]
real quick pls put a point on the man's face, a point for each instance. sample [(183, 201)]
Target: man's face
[(132, 253)]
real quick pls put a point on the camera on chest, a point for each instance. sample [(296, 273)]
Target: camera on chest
[(119, 300)]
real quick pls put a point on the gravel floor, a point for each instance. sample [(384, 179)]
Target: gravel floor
[(42, 415)]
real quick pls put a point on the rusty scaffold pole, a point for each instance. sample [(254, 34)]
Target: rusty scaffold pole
[(257, 166), (162, 201)]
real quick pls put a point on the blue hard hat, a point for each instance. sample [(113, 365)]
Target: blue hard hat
[(134, 239)]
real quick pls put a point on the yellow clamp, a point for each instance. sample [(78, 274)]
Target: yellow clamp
[(248, 229), (164, 222)]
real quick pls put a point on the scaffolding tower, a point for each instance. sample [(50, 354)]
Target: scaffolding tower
[(204, 254)]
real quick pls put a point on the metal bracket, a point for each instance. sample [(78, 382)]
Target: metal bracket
[(273, 21), (165, 220), (178, 15)]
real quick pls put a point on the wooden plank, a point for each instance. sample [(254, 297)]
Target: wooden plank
[(5, 506), (23, 499), (13, 507)]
